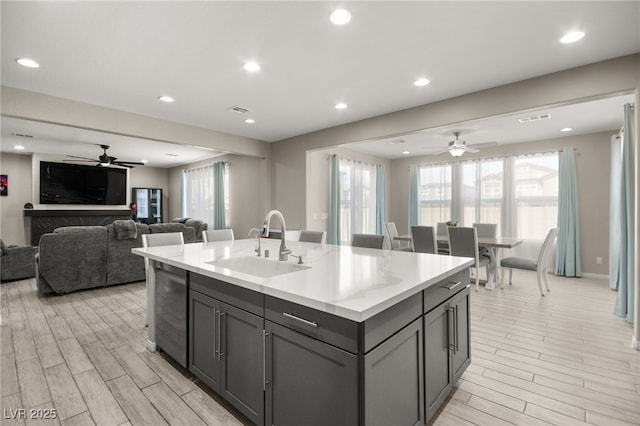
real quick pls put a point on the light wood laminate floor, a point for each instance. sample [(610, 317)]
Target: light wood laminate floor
[(563, 359)]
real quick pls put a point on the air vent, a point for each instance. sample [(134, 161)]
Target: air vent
[(238, 109), (172, 155), (534, 118), (22, 135), (396, 142)]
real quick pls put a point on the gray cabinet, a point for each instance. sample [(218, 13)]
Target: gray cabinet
[(226, 352), (446, 348), (461, 353), (281, 363), (393, 378), (308, 382)]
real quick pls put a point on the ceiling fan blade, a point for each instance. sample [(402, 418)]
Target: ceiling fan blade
[(124, 163), (482, 144), (440, 152), (84, 161), (471, 150), (83, 158)]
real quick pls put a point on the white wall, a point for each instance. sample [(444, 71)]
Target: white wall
[(12, 225)]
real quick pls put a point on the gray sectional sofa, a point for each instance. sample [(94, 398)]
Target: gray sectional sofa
[(80, 257)]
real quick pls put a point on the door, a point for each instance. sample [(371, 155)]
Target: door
[(308, 382), (242, 361), (461, 342), (393, 378), (437, 357), (204, 332)]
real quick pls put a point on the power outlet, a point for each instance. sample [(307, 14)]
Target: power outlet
[(599, 260)]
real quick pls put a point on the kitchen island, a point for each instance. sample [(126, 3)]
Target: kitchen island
[(351, 336)]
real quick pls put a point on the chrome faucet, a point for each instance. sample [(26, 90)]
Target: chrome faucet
[(257, 232), (284, 251)]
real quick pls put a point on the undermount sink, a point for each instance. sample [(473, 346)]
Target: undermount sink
[(258, 267)]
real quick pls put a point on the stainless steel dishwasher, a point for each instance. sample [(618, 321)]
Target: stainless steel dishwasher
[(171, 311)]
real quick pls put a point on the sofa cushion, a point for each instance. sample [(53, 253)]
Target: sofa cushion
[(198, 225), (73, 258), (122, 265), (125, 229)]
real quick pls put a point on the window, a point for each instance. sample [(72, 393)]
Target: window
[(198, 193), (482, 187), (536, 195), (435, 193), (519, 193), (357, 199)]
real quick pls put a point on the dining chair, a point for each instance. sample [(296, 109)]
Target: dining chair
[(392, 232), (217, 235), (486, 230), (442, 230), (311, 236), (424, 239), (540, 265), (367, 240), (463, 241)]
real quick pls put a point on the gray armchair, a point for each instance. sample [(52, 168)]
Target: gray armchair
[(17, 262)]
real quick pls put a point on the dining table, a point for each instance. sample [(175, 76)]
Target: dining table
[(493, 245)]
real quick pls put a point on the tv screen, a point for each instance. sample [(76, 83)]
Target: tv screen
[(62, 183)]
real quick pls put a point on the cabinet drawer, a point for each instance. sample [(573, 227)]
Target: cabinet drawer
[(325, 327), (249, 300), (439, 292), (380, 327)]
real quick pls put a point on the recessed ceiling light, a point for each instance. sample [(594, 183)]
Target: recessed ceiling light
[(252, 67), (341, 106), (167, 99), (250, 121), (566, 129), (340, 16), (406, 152), (144, 161), (421, 82), (572, 37), (18, 147), (29, 63)]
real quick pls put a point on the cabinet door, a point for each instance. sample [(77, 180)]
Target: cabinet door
[(461, 343), (204, 331), (242, 361), (437, 357), (308, 382), (393, 377)]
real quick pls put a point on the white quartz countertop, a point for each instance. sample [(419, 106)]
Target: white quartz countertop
[(350, 282)]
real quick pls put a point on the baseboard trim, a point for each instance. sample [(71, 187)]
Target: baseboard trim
[(595, 276), (151, 346)]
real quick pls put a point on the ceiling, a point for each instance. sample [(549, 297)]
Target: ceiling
[(60, 141), (124, 55)]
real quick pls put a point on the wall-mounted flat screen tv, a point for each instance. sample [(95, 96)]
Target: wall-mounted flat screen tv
[(62, 183)]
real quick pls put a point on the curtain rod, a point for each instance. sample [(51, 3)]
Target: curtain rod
[(355, 161), (523, 154)]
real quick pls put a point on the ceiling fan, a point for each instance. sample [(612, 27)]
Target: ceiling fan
[(106, 160), (458, 147)]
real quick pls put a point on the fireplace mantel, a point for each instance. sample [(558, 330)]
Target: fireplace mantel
[(44, 221)]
